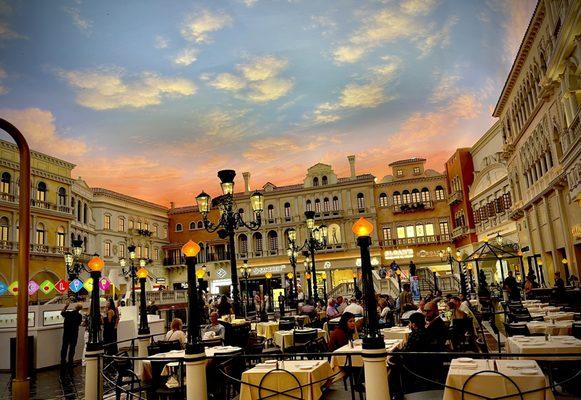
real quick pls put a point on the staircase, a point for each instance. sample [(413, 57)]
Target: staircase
[(345, 289), (447, 283), (387, 286)]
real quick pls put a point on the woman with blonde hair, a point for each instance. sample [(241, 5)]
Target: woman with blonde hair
[(176, 332)]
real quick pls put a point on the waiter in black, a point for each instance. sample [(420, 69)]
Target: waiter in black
[(72, 321)]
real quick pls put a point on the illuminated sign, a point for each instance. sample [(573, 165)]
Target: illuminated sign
[(76, 285), (62, 286), (221, 273), (104, 283), (13, 288), (3, 288), (397, 254), (327, 265), (264, 270), (88, 285), (46, 287), (32, 287)]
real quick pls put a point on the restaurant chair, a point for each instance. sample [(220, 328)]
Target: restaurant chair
[(425, 395), (576, 330), (127, 381), (516, 329), (212, 342), (331, 325), (153, 349), (302, 337), (286, 325), (318, 345), (227, 332), (169, 345)]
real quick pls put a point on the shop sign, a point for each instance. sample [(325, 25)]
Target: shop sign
[(221, 272), (327, 265), (3, 288), (397, 254), (46, 287), (264, 270), (32, 287)]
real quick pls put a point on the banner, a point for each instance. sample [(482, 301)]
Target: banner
[(62, 286), (415, 287)]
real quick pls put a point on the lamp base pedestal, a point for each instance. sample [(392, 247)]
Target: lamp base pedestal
[(93, 379), (143, 342), (196, 376), (21, 388), (376, 385)]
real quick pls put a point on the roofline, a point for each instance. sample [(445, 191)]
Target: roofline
[(121, 196), (407, 161)]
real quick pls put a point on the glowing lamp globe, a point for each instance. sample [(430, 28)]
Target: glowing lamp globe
[(142, 273), (203, 201), (200, 273), (191, 249), (268, 275), (290, 275), (292, 234), (540, 262), (96, 264), (308, 276), (565, 261), (398, 272), (354, 274), (485, 239), (362, 227)]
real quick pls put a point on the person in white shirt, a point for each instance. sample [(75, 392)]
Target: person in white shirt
[(354, 308), (215, 326), (176, 332)]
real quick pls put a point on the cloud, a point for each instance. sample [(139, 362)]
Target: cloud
[(229, 124), (83, 24), (250, 3), (391, 24), (6, 32), (186, 57), (269, 149), (368, 94), (446, 88), (109, 88), (38, 126), (325, 24), (3, 74), (161, 42), (258, 80), (516, 19), (198, 27)]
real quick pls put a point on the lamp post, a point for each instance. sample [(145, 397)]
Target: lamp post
[(293, 289), (73, 264), (308, 278), (230, 220), (325, 289), (131, 272), (93, 382), (307, 264), (268, 277), (355, 281), (470, 277), (565, 263), (143, 325), (246, 271), (293, 252)]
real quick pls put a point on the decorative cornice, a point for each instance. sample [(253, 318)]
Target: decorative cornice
[(39, 156), (124, 197)]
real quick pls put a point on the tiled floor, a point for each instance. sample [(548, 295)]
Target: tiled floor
[(50, 384)]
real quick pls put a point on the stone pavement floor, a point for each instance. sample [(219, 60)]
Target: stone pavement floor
[(50, 384)]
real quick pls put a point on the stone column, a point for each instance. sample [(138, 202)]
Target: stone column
[(375, 368), (195, 377), (93, 379), (141, 352), (556, 262)]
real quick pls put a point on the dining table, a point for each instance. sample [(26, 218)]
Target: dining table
[(285, 339), (480, 378), (274, 379), (266, 329), (397, 332), (544, 345), (556, 328), (559, 316), (354, 348)]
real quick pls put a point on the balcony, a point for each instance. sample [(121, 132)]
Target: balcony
[(413, 207), (34, 248), (415, 241), (460, 231), (329, 214), (455, 198), (140, 232), (45, 205)]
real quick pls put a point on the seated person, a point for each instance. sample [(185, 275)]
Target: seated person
[(456, 313), (308, 308), (418, 338), (354, 308), (408, 310), (176, 332), (435, 327), (344, 332), (331, 310), (214, 326)]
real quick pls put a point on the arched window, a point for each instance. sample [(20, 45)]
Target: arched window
[(415, 196), (4, 229), (326, 204), (425, 195), (270, 211), (193, 225), (272, 241), (257, 239), (406, 197), (243, 244), (146, 252), (60, 236), (62, 196), (5, 183), (200, 224), (360, 201), (121, 224), (179, 228), (317, 205), (40, 233), (309, 206), (315, 181), (121, 249), (72, 237), (287, 210), (383, 200), (335, 203), (85, 213), (325, 181), (396, 198), (439, 193), (41, 191), (73, 204)]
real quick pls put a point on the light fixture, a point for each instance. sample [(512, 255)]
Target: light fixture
[(398, 272), (227, 180), (96, 264), (68, 259), (499, 239), (290, 275), (565, 261), (540, 261), (520, 253), (131, 250), (310, 216), (268, 275), (191, 249), (469, 266), (449, 249), (292, 234), (142, 262), (307, 275), (324, 230), (200, 273), (485, 239), (257, 202), (317, 234), (203, 202), (122, 262), (324, 278), (142, 273), (77, 245), (354, 275), (362, 227)]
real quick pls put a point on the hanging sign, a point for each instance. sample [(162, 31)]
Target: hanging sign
[(76, 285), (104, 283), (32, 287), (88, 285), (62, 286), (13, 288), (46, 287), (415, 288), (3, 288)]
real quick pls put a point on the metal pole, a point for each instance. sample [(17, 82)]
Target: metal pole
[(143, 324), (233, 269), (194, 344), (95, 342), (133, 275), (373, 339), (522, 269), (325, 290), (314, 273), (21, 384)]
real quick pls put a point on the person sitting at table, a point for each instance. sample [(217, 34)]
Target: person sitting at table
[(436, 329), (343, 333), (341, 305), (456, 313), (354, 308), (418, 339), (384, 311), (559, 293), (224, 307), (308, 308), (331, 310), (176, 332), (215, 326)]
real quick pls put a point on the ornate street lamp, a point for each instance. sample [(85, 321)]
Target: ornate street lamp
[(316, 240), (194, 342), (373, 339), (230, 221), (293, 252), (355, 281), (95, 342), (131, 272), (73, 264), (246, 271), (325, 289), (307, 264), (398, 273), (143, 324), (268, 277), (290, 277), (471, 278)]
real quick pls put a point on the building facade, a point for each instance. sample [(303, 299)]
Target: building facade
[(459, 178), (51, 217), (413, 217), (539, 116), (337, 201)]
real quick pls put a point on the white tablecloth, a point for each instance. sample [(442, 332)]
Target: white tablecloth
[(538, 345), (284, 339), (266, 329), (559, 328), (396, 332), (560, 316), (340, 360), (526, 374)]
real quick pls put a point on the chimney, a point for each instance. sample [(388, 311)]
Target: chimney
[(171, 205), (246, 176), (352, 166)]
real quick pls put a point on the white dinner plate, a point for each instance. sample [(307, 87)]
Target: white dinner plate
[(465, 360), (528, 371), (305, 367)]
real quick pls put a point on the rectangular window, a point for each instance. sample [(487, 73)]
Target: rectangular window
[(146, 252), (386, 233), (401, 232), (60, 239), (121, 224), (270, 213), (154, 230), (121, 250), (107, 249), (416, 170), (429, 229), (146, 226), (4, 233), (419, 230), (138, 251), (410, 231), (39, 237), (107, 222), (138, 224), (156, 254), (444, 229), (399, 172), (507, 201), (131, 224)]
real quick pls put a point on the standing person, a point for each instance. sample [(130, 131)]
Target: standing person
[(405, 298), (511, 286), (72, 321), (224, 307), (412, 269), (110, 322)]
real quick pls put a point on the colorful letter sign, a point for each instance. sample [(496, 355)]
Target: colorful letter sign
[(3, 288), (76, 285), (88, 285), (46, 287), (13, 288), (104, 283), (62, 286), (32, 287)]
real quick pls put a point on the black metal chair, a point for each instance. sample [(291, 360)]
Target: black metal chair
[(286, 325), (302, 337), (576, 329), (126, 380), (168, 345), (516, 329), (212, 342)]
